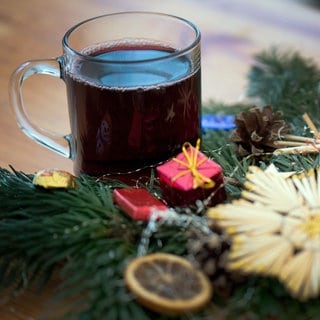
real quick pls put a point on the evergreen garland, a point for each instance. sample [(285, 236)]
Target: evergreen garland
[(80, 234), (80, 230), (286, 81)]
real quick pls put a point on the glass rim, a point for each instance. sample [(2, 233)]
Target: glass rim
[(174, 54)]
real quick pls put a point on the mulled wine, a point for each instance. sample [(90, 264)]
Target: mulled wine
[(125, 117)]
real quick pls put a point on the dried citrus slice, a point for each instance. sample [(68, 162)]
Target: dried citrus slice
[(53, 178), (168, 284)]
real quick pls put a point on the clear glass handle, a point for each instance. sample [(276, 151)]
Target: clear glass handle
[(56, 142)]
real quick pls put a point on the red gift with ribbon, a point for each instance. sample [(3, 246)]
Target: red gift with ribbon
[(191, 176)]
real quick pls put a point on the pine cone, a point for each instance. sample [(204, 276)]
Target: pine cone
[(257, 130), (211, 255)]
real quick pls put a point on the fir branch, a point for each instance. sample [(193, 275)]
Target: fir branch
[(82, 232), (287, 81), (266, 298)]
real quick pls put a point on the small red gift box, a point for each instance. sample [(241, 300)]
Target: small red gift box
[(138, 203), (191, 176)]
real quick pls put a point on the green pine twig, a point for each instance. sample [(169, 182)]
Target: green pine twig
[(83, 233), (287, 81)]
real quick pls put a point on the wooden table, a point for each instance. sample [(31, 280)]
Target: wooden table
[(232, 32)]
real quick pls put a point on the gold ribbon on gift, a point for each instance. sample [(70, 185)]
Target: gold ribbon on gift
[(192, 166)]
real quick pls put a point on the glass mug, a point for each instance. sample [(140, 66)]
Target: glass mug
[(133, 87)]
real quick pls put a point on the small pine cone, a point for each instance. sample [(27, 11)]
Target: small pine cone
[(211, 255), (257, 130)]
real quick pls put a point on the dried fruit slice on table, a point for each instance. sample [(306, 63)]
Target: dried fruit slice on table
[(168, 284), (53, 179)]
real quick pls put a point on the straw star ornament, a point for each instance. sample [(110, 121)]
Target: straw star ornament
[(275, 229)]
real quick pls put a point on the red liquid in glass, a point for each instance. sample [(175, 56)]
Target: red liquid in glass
[(127, 118)]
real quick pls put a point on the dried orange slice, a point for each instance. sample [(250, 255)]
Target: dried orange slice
[(168, 284), (53, 178)]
